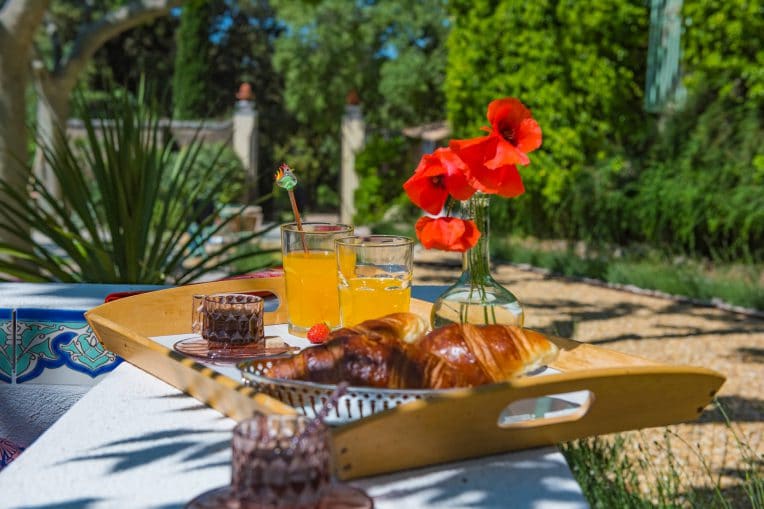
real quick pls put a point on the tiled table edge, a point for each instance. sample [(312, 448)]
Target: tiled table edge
[(46, 339), (7, 346), (34, 342)]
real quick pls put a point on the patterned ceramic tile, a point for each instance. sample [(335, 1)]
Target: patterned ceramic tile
[(7, 355), (8, 452), (49, 338)]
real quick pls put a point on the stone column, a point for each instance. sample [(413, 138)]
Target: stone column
[(353, 137), (245, 143)]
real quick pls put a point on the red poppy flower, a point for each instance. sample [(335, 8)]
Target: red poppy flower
[(438, 175), (504, 180), (513, 134), (519, 133), (447, 233)]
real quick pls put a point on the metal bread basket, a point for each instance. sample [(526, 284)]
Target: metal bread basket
[(308, 398)]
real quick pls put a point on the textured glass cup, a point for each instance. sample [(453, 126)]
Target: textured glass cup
[(310, 270), (374, 275), (228, 318), (280, 461)]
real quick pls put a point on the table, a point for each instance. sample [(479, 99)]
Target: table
[(135, 441)]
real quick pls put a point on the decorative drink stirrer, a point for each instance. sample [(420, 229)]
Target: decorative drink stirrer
[(286, 179)]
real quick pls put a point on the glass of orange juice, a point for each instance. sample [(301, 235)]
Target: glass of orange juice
[(310, 270), (374, 276)]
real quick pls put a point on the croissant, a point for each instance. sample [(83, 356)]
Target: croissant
[(393, 352), (470, 355), (368, 354)]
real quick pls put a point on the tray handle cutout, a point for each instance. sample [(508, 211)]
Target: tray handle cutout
[(548, 409)]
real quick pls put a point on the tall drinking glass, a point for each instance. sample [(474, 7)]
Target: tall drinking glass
[(374, 276), (310, 269)]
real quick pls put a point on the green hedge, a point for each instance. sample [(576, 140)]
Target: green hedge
[(382, 167), (723, 47), (701, 190), (578, 65), (192, 64), (607, 171)]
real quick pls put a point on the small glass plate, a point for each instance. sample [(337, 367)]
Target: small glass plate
[(341, 496), (199, 348)]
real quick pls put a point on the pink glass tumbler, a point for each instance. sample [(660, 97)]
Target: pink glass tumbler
[(228, 318), (280, 461)]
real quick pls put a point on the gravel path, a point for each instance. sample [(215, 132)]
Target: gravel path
[(655, 328)]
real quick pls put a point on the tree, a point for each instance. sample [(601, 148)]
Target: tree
[(54, 81), (391, 52), (243, 52), (144, 52), (192, 61), (18, 22), (243, 36)]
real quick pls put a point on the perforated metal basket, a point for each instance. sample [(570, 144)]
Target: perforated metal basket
[(308, 398)]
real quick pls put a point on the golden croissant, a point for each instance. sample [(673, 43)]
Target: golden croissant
[(394, 352)]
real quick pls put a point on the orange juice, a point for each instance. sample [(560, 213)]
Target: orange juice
[(364, 298), (311, 289)]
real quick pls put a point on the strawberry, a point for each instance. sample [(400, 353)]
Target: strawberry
[(318, 333)]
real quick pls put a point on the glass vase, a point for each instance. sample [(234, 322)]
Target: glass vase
[(477, 298)]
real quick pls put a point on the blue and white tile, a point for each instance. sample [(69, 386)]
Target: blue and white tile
[(8, 452), (7, 351), (58, 347)]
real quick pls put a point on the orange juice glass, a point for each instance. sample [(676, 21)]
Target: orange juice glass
[(374, 276), (310, 270)]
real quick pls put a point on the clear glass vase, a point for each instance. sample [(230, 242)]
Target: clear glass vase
[(477, 298)]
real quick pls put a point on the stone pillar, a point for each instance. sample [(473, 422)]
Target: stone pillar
[(353, 137), (245, 143)]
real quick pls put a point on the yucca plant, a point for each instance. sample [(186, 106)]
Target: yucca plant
[(131, 205)]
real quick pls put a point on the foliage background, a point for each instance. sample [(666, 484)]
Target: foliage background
[(689, 182), (685, 182), (391, 53), (384, 160), (190, 83), (238, 47)]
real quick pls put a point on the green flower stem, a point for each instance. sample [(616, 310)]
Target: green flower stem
[(476, 297), (476, 262)]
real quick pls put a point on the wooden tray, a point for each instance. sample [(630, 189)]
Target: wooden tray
[(626, 392)]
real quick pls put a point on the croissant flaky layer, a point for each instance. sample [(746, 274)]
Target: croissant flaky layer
[(396, 352)]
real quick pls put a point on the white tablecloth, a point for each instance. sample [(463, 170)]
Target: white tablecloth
[(135, 441)]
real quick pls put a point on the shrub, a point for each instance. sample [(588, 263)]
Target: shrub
[(382, 167), (131, 212), (723, 48), (702, 191), (222, 157), (578, 65), (691, 182), (192, 62)]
